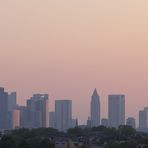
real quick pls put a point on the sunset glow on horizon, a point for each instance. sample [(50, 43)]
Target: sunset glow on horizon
[(66, 48)]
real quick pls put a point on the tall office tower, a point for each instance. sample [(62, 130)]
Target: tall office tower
[(24, 116), (11, 101), (116, 110), (131, 122), (95, 109), (63, 114), (52, 119), (11, 106), (38, 111), (3, 109), (15, 118), (143, 119), (104, 122)]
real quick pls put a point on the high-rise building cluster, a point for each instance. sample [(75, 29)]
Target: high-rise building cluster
[(116, 111), (36, 113)]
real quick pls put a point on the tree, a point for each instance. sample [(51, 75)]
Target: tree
[(75, 131), (24, 144), (113, 144), (7, 142), (34, 142), (126, 130), (128, 144), (46, 143)]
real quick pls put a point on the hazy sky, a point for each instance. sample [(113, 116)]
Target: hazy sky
[(68, 47)]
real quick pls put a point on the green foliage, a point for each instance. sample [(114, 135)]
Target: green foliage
[(83, 146), (40, 132), (24, 144), (128, 144), (113, 144), (123, 137), (28, 138), (75, 131), (7, 142), (126, 130), (99, 128), (46, 143), (34, 141), (110, 131)]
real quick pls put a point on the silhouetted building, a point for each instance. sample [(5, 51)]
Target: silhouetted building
[(63, 114), (116, 110), (143, 119), (104, 122), (11, 101), (52, 119), (15, 118), (38, 111), (24, 116), (95, 109), (131, 122), (3, 109)]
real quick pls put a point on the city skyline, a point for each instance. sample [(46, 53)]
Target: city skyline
[(36, 113), (13, 96), (39, 112), (67, 48)]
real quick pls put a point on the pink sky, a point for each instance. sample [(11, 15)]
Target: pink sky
[(68, 47)]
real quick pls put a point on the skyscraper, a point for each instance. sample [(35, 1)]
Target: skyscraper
[(24, 116), (95, 109), (116, 110), (52, 119), (15, 118), (143, 119), (38, 110), (63, 114), (11, 101), (3, 109)]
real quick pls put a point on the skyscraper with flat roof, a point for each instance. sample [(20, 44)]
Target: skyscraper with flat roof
[(24, 116), (63, 114), (3, 109), (15, 118), (38, 109), (95, 109), (11, 101), (116, 110), (52, 119), (143, 119)]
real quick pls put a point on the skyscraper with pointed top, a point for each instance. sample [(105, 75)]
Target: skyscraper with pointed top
[(95, 109)]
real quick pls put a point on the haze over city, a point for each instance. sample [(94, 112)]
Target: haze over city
[(68, 48)]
